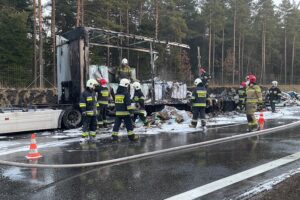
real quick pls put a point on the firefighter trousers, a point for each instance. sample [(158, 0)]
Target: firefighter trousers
[(118, 121), (198, 112), (102, 115), (250, 110), (272, 103), (89, 124)]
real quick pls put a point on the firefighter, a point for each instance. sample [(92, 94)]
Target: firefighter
[(242, 95), (103, 98), (274, 95), (139, 100), (124, 71), (124, 110), (205, 77), (88, 105), (253, 98), (199, 104)]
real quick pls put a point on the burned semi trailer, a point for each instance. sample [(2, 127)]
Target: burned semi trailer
[(74, 69)]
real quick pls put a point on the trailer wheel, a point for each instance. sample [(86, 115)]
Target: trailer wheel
[(72, 118)]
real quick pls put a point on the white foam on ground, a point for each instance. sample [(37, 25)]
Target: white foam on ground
[(6, 144), (171, 126)]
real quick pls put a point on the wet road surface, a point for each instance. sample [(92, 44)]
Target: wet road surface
[(153, 178)]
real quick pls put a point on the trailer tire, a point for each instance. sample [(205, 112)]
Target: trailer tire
[(72, 118)]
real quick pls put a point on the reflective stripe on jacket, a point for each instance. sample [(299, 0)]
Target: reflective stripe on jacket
[(122, 102), (254, 94), (88, 102), (103, 95), (199, 97)]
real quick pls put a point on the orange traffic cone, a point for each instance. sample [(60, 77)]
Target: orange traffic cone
[(261, 121), (33, 152)]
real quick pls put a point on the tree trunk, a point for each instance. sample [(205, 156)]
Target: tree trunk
[(34, 44), (213, 57), (121, 41), (243, 51), (41, 46), (53, 41), (285, 68), (78, 14), (293, 59), (240, 43), (264, 69), (223, 38), (82, 13), (209, 45), (156, 2), (127, 25), (234, 30), (263, 53), (108, 49), (141, 13)]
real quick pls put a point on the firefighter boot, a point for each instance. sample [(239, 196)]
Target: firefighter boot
[(203, 124), (92, 134), (115, 136), (193, 124), (132, 136), (84, 135)]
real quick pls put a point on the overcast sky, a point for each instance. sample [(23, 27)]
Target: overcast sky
[(277, 2)]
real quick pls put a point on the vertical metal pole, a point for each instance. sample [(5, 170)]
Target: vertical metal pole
[(152, 72)]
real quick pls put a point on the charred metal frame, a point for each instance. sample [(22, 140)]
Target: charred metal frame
[(113, 39)]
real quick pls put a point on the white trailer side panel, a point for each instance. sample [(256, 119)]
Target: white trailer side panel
[(18, 121)]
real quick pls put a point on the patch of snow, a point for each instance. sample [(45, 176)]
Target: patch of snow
[(6, 144), (14, 173), (267, 185), (171, 126)]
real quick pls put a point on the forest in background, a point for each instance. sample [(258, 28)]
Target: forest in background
[(236, 37)]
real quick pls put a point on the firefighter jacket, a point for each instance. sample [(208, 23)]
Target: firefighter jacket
[(123, 72), (254, 95), (103, 95), (274, 93), (199, 96), (139, 99), (88, 103), (242, 94), (123, 102)]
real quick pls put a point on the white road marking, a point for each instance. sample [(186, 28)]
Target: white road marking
[(222, 183)]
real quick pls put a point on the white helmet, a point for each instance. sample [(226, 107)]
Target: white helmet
[(124, 61), (91, 83), (124, 82), (274, 83), (136, 85), (197, 81)]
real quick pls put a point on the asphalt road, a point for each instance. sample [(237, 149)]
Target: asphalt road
[(153, 178)]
